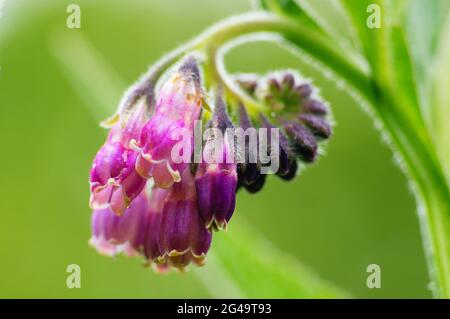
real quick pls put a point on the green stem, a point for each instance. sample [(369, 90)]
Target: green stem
[(215, 63), (310, 40), (432, 194), (436, 224)]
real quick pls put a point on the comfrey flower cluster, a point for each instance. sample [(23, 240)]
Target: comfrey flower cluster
[(146, 203)]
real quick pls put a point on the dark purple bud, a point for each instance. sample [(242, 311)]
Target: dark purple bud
[(302, 140), (250, 170), (288, 81), (247, 82), (314, 107), (318, 125), (220, 118), (257, 185), (244, 119), (287, 160), (305, 91), (216, 196), (216, 178), (274, 86), (248, 173), (290, 175)]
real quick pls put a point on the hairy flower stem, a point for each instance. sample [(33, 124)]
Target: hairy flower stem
[(432, 195), (211, 40)]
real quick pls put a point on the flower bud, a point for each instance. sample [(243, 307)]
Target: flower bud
[(247, 82), (178, 106), (216, 180), (250, 170), (316, 124), (257, 185), (287, 161), (303, 141), (304, 90), (314, 107)]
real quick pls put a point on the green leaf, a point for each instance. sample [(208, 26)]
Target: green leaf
[(394, 72), (427, 26), (424, 24), (441, 100), (327, 18), (289, 8), (357, 11), (396, 101)]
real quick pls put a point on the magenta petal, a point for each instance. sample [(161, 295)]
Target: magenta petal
[(216, 196), (178, 106), (114, 180), (112, 233), (184, 238)]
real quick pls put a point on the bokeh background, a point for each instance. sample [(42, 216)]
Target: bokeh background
[(351, 209)]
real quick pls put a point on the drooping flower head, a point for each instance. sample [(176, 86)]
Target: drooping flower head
[(170, 220)]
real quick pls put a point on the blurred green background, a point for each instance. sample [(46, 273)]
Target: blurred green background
[(350, 210)]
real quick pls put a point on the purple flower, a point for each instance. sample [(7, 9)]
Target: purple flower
[(112, 234), (216, 177), (152, 246), (183, 238), (113, 178), (178, 106), (171, 225)]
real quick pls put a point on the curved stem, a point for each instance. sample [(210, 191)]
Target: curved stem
[(310, 40), (237, 95)]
